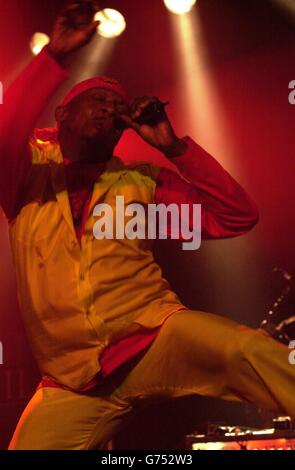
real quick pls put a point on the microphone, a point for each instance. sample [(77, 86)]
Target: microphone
[(151, 115)]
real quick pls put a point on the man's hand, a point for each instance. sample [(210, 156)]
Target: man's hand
[(161, 135), (73, 28)]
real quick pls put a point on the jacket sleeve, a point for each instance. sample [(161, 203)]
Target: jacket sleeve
[(226, 208), (23, 103)]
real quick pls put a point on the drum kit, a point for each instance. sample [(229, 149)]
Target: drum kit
[(279, 321), (261, 429)]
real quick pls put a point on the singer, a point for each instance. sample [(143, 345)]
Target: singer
[(106, 329)]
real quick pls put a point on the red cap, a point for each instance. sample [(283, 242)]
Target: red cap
[(105, 83)]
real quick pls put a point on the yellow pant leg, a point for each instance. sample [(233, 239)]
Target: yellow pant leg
[(205, 354), (57, 419), (195, 353)]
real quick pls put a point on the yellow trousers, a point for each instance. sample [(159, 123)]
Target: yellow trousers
[(195, 353)]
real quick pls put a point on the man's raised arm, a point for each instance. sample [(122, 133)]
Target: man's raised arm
[(29, 95), (227, 210)]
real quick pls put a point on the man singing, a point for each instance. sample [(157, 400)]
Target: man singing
[(106, 330)]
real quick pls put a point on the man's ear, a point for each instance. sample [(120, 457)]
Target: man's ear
[(61, 113)]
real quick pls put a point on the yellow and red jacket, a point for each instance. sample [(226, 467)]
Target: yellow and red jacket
[(77, 299)]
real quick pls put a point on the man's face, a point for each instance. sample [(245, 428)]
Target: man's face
[(91, 115)]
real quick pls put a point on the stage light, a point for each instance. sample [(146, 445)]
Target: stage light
[(38, 41), (112, 23), (179, 6), (287, 5), (198, 96)]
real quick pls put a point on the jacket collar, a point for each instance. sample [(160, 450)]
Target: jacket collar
[(112, 172)]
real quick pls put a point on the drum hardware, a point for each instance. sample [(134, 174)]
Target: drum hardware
[(281, 330)]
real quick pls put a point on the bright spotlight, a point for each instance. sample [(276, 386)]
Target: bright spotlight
[(38, 41), (112, 23), (179, 6)]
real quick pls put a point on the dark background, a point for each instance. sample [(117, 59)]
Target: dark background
[(249, 54)]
